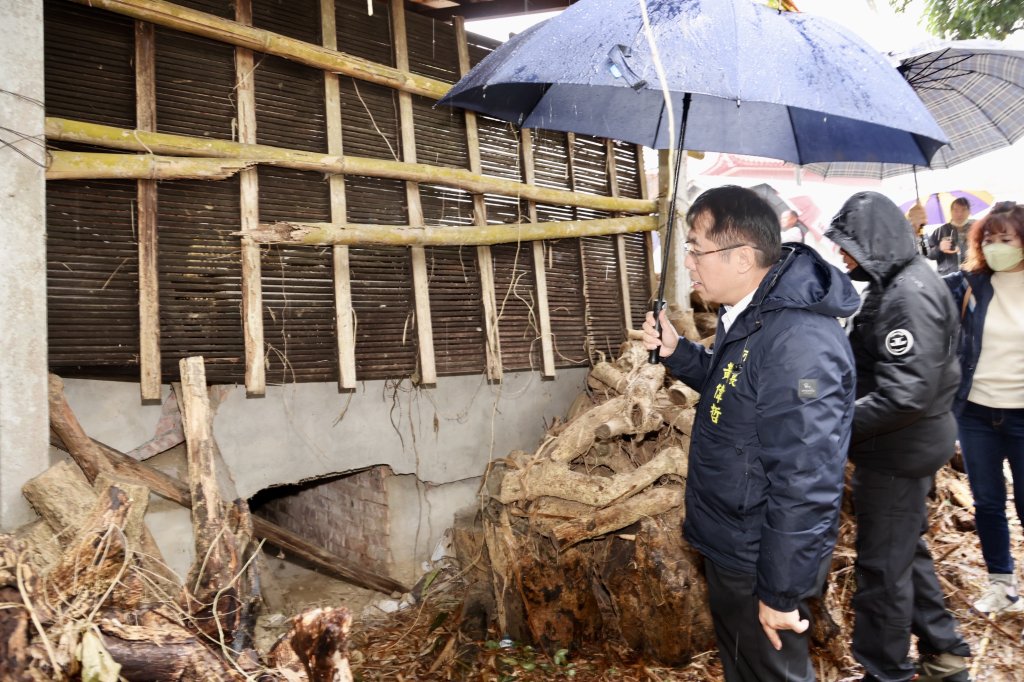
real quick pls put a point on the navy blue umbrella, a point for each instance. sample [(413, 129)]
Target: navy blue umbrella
[(705, 75), (784, 85)]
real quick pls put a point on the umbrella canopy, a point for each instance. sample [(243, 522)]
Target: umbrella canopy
[(936, 206), (757, 81), (973, 88)]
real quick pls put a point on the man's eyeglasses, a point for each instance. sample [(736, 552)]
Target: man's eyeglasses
[(697, 254)]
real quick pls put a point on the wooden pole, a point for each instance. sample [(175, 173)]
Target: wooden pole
[(547, 345), (149, 279), (353, 234), (165, 143), (242, 34), (483, 252), (63, 165), (344, 315), (252, 288), (421, 291), (620, 240)]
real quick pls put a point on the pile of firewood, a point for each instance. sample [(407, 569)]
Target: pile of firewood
[(87, 596)]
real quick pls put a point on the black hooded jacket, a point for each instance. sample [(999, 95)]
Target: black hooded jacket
[(904, 339), (771, 431)]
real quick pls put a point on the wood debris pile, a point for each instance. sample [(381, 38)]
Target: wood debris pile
[(88, 597)]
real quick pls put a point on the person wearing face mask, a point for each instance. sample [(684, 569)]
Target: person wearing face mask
[(989, 404), (944, 244)]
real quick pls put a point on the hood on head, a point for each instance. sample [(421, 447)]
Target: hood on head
[(872, 229), (803, 279)]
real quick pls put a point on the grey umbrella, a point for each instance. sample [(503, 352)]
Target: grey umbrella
[(973, 88)]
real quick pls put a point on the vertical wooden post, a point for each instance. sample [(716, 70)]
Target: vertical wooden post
[(424, 327), (149, 277), (645, 193), (483, 253), (343, 312), (252, 290), (620, 240), (570, 157), (677, 279), (539, 268)]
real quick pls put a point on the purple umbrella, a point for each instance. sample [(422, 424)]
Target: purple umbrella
[(937, 205)]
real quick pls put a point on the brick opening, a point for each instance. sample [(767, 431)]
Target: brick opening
[(345, 514)]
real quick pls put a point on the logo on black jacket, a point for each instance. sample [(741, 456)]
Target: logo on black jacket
[(899, 342)]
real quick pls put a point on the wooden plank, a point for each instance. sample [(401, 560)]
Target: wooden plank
[(150, 378), (252, 288), (344, 322), (421, 292), (539, 268), (485, 262), (66, 130), (243, 35), (620, 240)]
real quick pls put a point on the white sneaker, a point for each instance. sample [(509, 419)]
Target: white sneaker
[(997, 599)]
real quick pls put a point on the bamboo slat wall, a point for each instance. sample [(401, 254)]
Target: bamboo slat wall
[(95, 226)]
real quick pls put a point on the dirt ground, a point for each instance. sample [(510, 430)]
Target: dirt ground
[(421, 641)]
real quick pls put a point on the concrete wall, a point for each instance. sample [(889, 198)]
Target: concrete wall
[(24, 429), (437, 441)]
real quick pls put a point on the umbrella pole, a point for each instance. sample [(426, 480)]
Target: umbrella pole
[(659, 301)]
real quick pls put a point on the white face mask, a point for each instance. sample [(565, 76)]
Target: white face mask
[(1002, 257)]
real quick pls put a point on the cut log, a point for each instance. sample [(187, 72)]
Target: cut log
[(617, 516), (162, 650), (217, 589), (503, 554), (556, 480), (320, 639), (562, 611), (95, 569), (658, 592), (67, 427)]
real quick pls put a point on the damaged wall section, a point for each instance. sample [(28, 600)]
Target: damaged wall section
[(437, 442)]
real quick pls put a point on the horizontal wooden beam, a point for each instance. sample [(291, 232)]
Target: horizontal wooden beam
[(94, 166), (183, 145), (211, 26), (322, 234)]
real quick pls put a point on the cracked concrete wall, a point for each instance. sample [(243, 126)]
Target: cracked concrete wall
[(437, 441), (24, 427)]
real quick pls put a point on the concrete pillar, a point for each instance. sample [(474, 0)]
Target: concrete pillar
[(24, 431)]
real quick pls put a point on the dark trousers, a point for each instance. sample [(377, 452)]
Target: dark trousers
[(898, 593), (746, 653), (990, 436)]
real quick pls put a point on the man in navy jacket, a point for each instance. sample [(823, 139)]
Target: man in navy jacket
[(769, 440)]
